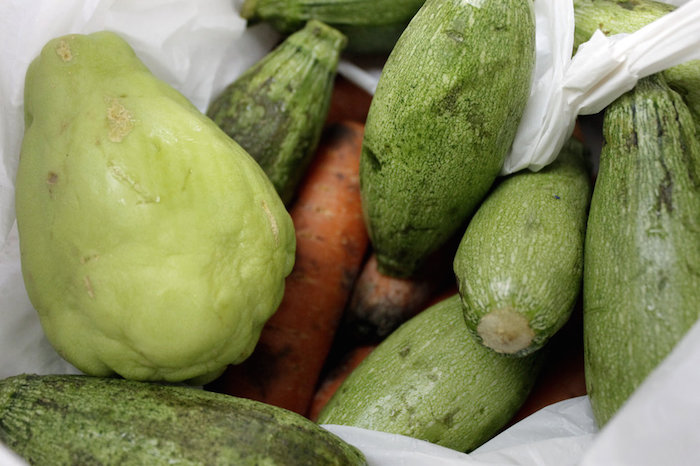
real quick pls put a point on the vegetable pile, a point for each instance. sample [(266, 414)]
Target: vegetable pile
[(309, 254)]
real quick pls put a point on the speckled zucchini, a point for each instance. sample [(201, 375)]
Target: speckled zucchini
[(431, 380), (73, 419), (277, 108), (520, 263), (442, 119), (642, 251), (624, 16), (371, 26)]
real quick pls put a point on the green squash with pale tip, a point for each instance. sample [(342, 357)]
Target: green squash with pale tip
[(519, 265)]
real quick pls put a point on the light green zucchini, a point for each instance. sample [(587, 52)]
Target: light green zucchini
[(371, 26), (520, 263), (442, 119), (624, 16), (76, 420), (431, 380), (277, 108), (614, 16), (642, 252)]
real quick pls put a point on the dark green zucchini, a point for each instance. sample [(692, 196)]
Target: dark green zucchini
[(642, 252), (277, 108), (443, 117), (429, 379), (371, 26), (78, 420), (520, 263), (624, 16)]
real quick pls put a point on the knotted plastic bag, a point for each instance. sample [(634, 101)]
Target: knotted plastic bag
[(564, 87), (603, 69)]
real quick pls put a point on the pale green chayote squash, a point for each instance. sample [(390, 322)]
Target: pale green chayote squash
[(152, 245)]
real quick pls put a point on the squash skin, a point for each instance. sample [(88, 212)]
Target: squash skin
[(442, 119), (641, 276), (520, 263), (74, 419), (371, 26), (276, 109), (431, 380)]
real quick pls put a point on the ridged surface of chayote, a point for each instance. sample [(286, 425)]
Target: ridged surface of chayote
[(152, 245)]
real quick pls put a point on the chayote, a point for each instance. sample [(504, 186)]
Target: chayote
[(152, 245)]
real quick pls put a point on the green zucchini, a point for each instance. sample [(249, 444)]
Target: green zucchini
[(277, 108), (641, 284), (520, 263), (444, 114), (372, 27), (624, 16), (73, 419), (614, 16), (431, 380)]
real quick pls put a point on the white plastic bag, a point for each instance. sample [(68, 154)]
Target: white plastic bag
[(602, 70), (563, 88), (555, 435)]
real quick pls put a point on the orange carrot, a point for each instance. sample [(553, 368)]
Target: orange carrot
[(380, 303), (331, 243), (335, 377), (348, 102)]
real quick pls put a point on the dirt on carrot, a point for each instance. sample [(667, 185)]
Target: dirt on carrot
[(380, 303)]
